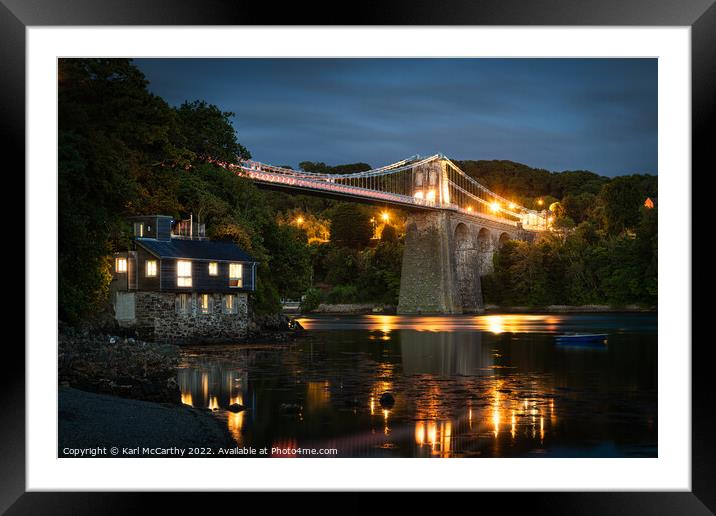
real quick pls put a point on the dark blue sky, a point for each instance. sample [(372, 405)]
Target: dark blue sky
[(558, 114)]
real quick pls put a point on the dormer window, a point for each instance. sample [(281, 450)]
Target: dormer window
[(183, 273), (235, 275), (120, 265), (213, 269)]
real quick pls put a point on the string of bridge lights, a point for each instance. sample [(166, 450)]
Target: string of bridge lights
[(388, 182)]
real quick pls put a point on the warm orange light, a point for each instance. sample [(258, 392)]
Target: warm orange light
[(431, 195), (512, 206), (540, 202), (432, 432), (495, 206), (418, 194), (420, 433), (385, 216), (186, 398), (469, 208), (299, 220)]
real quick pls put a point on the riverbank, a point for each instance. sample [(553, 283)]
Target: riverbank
[(353, 308), (570, 309), (89, 420), (371, 308)]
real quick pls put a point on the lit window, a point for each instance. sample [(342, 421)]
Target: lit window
[(235, 276), (139, 229), (182, 303), (230, 306), (183, 273), (205, 304), (213, 268), (120, 265), (151, 268)]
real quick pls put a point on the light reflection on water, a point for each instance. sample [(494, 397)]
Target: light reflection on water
[(492, 323), (463, 386)]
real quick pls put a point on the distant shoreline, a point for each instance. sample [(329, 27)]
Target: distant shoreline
[(570, 309), (370, 308)]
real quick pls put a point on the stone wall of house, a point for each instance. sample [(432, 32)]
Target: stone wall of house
[(158, 318)]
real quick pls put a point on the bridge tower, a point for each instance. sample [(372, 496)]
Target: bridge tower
[(445, 255)]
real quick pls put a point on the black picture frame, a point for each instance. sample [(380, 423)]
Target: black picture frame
[(700, 15)]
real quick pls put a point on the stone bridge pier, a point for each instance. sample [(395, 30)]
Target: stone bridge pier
[(445, 255)]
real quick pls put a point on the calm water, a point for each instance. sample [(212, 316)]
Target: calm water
[(463, 386)]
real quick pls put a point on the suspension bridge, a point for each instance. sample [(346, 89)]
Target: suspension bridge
[(431, 183), (454, 223)]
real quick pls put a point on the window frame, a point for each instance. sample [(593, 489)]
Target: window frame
[(117, 261), (147, 267), (209, 301), (184, 277), (234, 308), (238, 279), (187, 309)]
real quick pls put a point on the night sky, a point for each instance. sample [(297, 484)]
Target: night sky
[(558, 114)]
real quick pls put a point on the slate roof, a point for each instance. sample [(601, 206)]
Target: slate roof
[(195, 249)]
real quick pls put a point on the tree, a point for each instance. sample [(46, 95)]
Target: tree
[(112, 130), (621, 201), (208, 133), (289, 260), (316, 229), (577, 207), (647, 241), (351, 226), (389, 233)]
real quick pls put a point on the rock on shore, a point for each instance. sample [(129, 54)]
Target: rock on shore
[(122, 366), (272, 327)]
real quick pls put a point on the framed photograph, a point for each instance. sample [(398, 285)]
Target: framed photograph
[(420, 249)]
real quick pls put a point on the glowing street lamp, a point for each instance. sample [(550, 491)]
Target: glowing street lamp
[(385, 216), (540, 202), (512, 206), (299, 221), (469, 208), (495, 206)]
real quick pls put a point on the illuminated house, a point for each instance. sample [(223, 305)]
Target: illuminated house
[(175, 285)]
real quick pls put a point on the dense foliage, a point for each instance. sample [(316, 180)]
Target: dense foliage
[(587, 265), (124, 151)]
